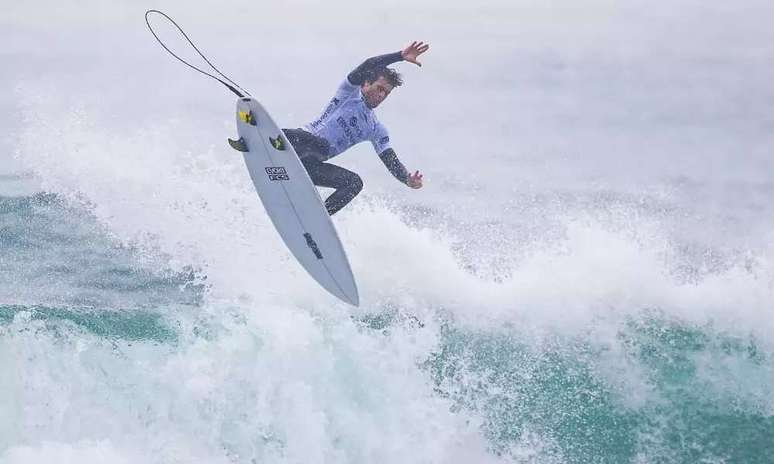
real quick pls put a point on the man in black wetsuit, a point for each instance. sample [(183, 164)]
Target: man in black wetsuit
[(349, 119)]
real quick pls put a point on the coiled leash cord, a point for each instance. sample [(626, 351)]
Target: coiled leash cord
[(233, 86)]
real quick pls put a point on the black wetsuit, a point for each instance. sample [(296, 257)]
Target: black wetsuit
[(345, 121)]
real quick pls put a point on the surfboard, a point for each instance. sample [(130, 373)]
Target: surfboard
[(291, 200)]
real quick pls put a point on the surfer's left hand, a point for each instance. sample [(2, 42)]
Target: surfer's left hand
[(415, 180)]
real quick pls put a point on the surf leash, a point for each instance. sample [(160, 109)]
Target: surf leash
[(231, 85)]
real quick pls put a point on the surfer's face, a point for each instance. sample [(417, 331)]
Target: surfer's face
[(375, 92)]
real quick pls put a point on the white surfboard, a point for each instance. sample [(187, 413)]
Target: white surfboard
[(292, 201)]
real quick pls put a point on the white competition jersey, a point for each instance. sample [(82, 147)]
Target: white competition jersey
[(347, 120)]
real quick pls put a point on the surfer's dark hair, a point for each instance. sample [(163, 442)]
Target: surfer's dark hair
[(390, 75)]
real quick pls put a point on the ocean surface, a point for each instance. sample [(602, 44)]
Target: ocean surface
[(587, 275)]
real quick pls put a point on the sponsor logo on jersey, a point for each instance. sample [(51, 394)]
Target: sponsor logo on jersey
[(347, 131), (328, 110), (354, 123), (277, 173)]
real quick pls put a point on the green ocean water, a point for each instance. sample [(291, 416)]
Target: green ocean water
[(707, 393), (644, 387), (705, 400)]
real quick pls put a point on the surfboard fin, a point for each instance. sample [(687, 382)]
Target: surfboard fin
[(238, 145)]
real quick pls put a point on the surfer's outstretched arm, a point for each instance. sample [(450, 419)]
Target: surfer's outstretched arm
[(410, 54), (359, 74), (390, 159)]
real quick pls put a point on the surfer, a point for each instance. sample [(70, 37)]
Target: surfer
[(349, 119)]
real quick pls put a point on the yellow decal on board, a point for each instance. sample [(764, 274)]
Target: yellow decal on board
[(245, 116)]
